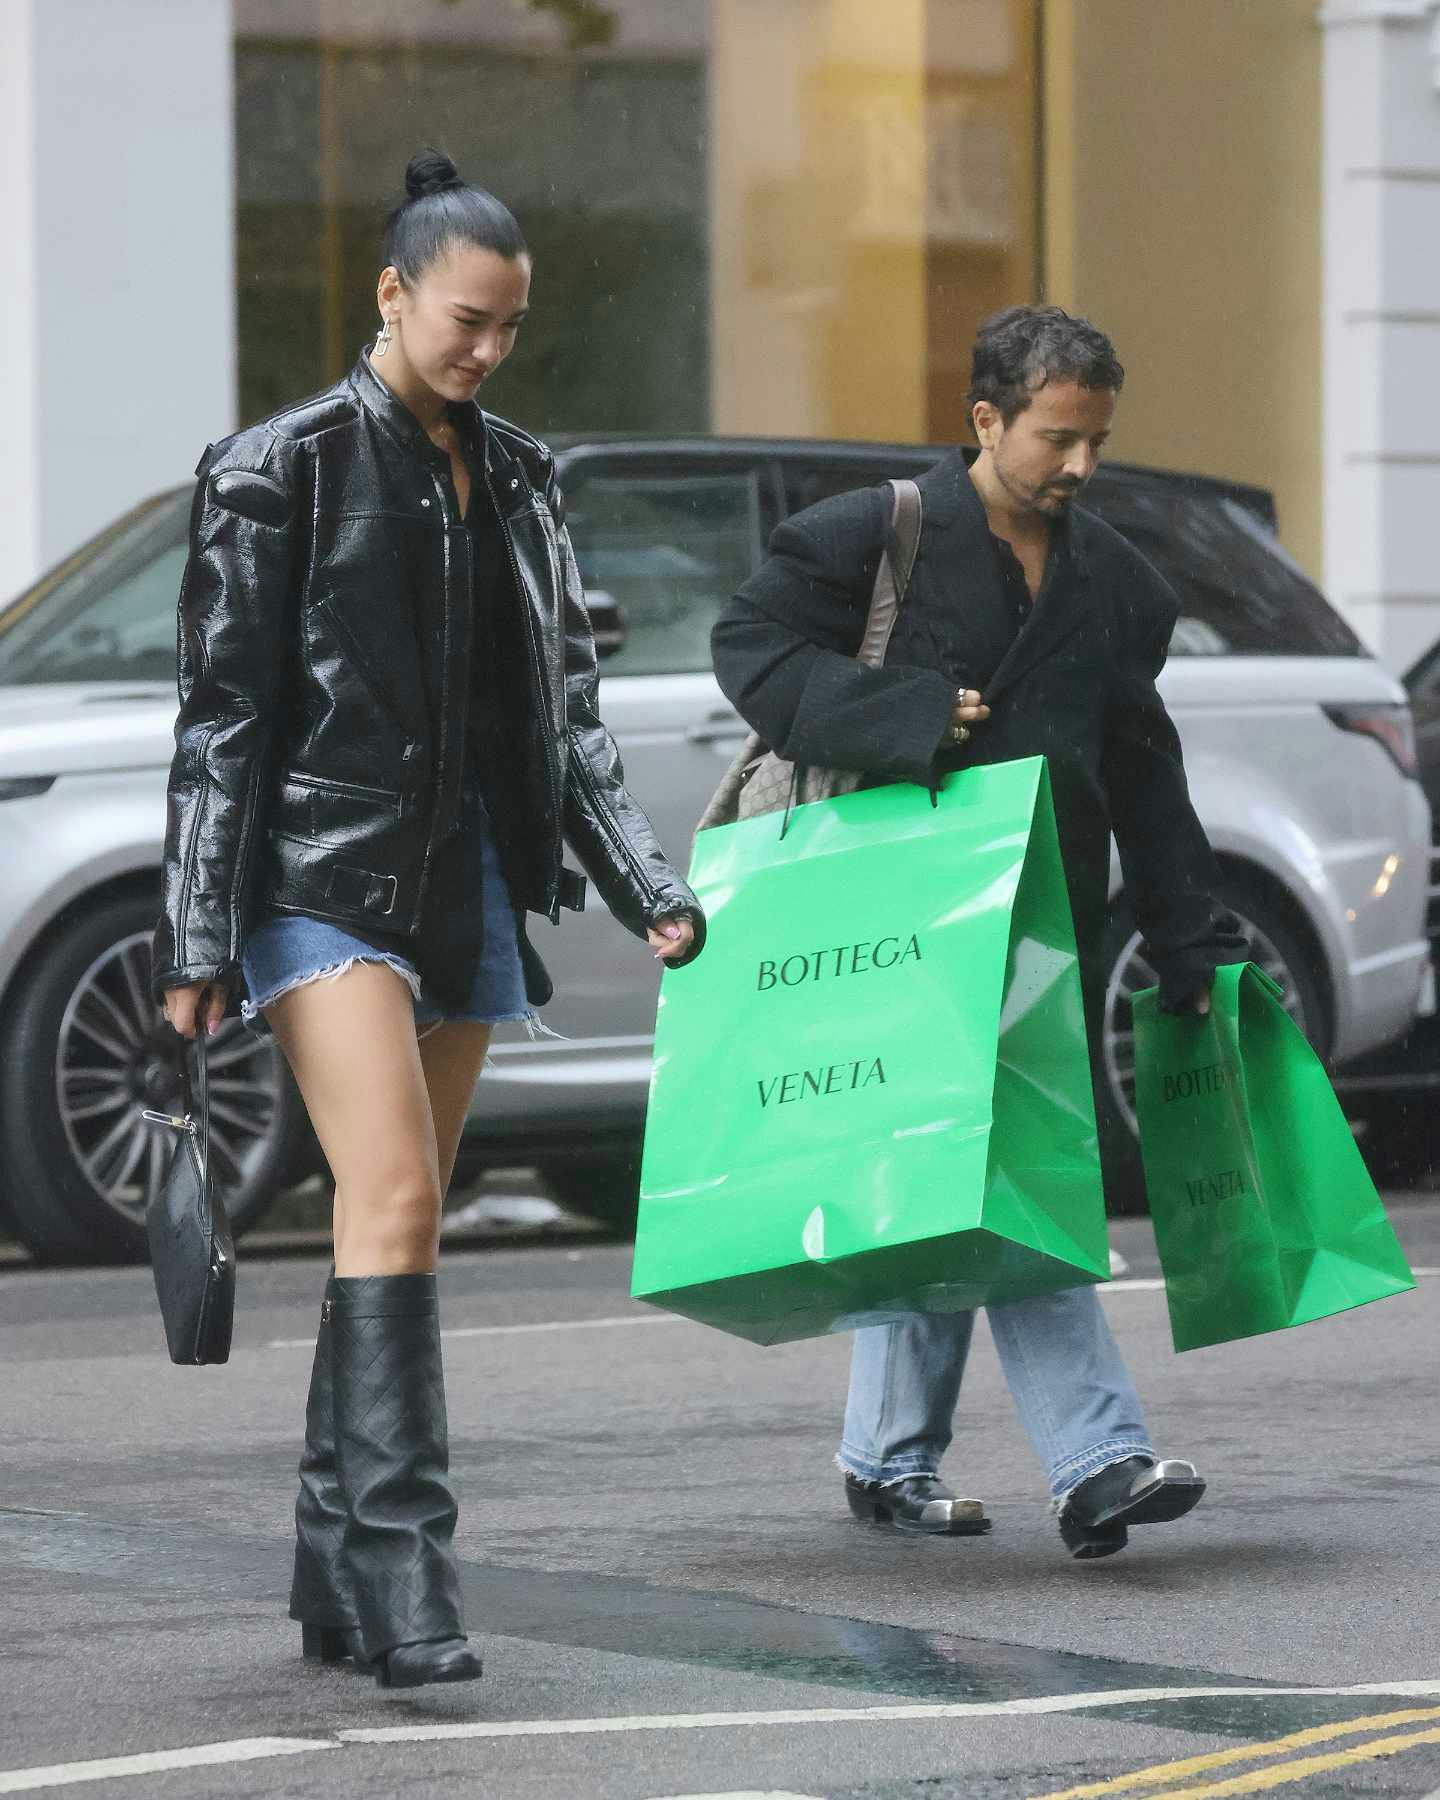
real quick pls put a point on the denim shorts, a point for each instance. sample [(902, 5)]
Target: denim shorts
[(290, 950)]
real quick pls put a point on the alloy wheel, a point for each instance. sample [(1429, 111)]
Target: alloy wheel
[(116, 1056)]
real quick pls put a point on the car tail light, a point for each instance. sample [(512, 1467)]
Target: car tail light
[(1389, 723)]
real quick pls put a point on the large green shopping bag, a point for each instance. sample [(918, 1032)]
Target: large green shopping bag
[(871, 1095), (1264, 1213)]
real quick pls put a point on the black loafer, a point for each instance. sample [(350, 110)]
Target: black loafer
[(1096, 1515), (918, 1503)]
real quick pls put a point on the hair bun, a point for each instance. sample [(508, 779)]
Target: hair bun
[(430, 171)]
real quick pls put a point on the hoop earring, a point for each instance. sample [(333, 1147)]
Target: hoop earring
[(382, 343)]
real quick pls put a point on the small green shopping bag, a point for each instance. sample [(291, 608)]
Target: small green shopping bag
[(871, 1095), (1265, 1215)]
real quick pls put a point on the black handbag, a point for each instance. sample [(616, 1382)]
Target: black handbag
[(191, 1252)]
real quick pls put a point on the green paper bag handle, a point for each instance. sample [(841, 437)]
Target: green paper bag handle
[(1268, 982)]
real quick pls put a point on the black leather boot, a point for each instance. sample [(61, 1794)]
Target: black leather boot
[(393, 1459), (319, 1596)]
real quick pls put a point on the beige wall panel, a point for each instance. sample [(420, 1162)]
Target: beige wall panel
[(818, 180), (1183, 215), (983, 211)]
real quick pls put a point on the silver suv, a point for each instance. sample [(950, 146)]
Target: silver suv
[(1299, 748)]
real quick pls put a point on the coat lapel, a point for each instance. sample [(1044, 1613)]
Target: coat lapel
[(962, 548), (1058, 614), (956, 560)]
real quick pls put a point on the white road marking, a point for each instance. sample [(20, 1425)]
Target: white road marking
[(842, 1715), (24, 1781), (1146, 1284), (752, 1794), (155, 1762)]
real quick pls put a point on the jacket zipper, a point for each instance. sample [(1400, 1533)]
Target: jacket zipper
[(320, 785), (183, 919), (585, 775)]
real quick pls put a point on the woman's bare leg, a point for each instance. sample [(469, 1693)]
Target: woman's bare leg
[(350, 1041), (452, 1057)]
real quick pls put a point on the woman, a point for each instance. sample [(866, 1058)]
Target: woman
[(387, 725)]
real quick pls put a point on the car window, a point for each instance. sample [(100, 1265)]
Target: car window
[(668, 548), (810, 480), (1240, 593), (1422, 678), (109, 613)]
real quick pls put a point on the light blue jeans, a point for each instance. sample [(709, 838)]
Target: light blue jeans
[(1064, 1370)]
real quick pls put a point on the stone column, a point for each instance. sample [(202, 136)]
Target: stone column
[(1382, 320), (117, 191)]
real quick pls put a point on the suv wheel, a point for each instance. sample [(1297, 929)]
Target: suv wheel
[(1275, 945), (85, 1050)]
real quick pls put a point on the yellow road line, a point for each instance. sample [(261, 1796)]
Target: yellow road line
[(1160, 1773), (1260, 1779)]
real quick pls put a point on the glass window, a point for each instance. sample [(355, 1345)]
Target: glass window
[(587, 118), (669, 550), (1240, 593), (109, 613), (810, 480)]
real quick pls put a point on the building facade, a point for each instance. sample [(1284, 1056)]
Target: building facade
[(773, 216)]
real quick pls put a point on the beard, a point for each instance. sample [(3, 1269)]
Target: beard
[(1049, 499)]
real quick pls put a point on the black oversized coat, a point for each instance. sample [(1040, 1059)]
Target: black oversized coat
[(1076, 686)]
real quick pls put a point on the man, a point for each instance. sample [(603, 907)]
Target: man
[(1030, 628)]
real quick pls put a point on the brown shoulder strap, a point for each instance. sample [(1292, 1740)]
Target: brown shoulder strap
[(893, 576)]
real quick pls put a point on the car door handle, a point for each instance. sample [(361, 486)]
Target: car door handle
[(718, 729)]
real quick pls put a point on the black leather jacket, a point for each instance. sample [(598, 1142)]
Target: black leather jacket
[(322, 733)]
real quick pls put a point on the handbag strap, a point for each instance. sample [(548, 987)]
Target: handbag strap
[(892, 578), (197, 1118)]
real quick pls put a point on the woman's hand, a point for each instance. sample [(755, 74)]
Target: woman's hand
[(199, 1003), (671, 938), (969, 710)]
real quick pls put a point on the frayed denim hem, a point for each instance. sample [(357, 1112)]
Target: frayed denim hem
[(1070, 1474), (534, 1025), (253, 1011), (900, 1468)]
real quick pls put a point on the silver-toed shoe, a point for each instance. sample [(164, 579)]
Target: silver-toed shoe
[(1095, 1517), (916, 1503)]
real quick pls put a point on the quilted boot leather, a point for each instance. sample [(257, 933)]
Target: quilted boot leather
[(393, 1458), (319, 1594)]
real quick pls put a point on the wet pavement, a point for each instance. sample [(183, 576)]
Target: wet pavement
[(668, 1592)]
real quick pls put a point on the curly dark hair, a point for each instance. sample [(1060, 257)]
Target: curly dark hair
[(1021, 349)]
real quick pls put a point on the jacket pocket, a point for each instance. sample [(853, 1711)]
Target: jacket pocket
[(367, 673), (334, 812), (348, 790)]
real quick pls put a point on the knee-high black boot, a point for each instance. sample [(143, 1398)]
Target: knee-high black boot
[(393, 1459), (319, 1593)]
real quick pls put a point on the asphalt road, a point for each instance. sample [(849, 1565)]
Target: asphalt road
[(669, 1594)]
